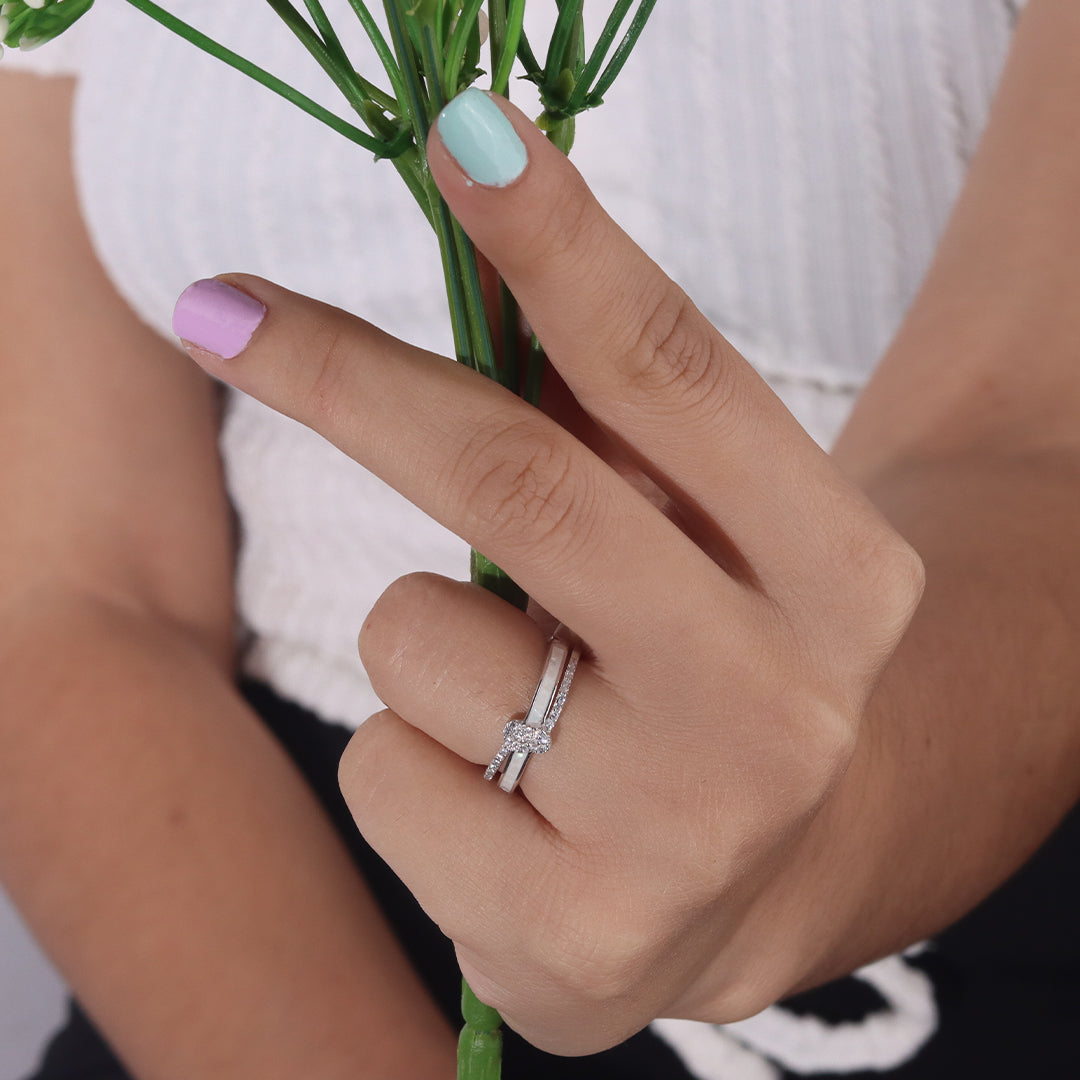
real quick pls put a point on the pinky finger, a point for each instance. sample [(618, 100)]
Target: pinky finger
[(469, 854)]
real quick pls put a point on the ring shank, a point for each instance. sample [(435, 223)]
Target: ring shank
[(557, 657)]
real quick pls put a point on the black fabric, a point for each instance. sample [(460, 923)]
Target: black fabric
[(1004, 981)]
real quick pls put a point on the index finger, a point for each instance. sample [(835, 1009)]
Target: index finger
[(491, 468)]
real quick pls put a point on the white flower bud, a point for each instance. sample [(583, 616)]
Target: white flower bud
[(35, 4)]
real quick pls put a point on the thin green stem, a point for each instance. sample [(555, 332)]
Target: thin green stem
[(340, 73), (458, 44), (598, 55), (379, 96), (622, 54), (509, 320), (561, 40), (483, 351), (503, 60), (326, 30), (386, 56), (455, 296), (379, 147), (432, 71), (415, 99), (496, 10), (410, 168), (528, 58)]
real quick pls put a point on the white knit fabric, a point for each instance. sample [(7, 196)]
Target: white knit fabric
[(790, 162)]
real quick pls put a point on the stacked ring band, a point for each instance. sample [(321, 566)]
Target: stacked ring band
[(523, 737)]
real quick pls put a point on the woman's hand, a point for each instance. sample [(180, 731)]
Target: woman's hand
[(737, 610)]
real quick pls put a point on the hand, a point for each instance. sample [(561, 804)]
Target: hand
[(735, 625)]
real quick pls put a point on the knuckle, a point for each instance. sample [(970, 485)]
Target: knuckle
[(823, 736), (889, 577), (748, 993), (390, 627), (599, 965), (523, 485), (676, 360)]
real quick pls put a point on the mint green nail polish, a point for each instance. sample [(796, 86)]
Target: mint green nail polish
[(481, 140)]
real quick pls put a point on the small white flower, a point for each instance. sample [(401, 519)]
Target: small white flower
[(36, 4)]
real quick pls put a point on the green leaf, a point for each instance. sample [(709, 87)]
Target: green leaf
[(30, 27)]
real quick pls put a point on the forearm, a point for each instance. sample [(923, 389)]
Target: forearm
[(178, 870), (968, 439), (970, 753)]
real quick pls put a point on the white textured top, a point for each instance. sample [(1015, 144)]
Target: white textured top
[(790, 162)]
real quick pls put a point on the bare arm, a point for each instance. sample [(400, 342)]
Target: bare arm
[(156, 838), (969, 439)]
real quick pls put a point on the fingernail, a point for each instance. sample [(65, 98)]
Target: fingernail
[(216, 317), (481, 140)]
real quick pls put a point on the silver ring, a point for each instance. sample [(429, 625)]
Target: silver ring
[(523, 737)]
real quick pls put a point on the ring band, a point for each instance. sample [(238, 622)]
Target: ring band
[(532, 734)]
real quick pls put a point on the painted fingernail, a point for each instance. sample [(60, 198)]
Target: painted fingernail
[(216, 317), (481, 140)]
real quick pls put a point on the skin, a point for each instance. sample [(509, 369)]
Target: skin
[(760, 779), (825, 773), (209, 930)]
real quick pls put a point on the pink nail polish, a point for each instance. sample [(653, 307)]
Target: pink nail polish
[(216, 317)]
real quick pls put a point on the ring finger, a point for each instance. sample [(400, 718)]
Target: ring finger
[(457, 663)]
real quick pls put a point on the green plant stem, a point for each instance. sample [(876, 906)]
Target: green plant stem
[(622, 53), (455, 296), (534, 371), (386, 56), (326, 31), (480, 1043), (340, 72), (562, 39), (414, 99), (528, 58), (504, 44), (483, 350), (598, 55), (458, 44), (379, 147), (509, 324)]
